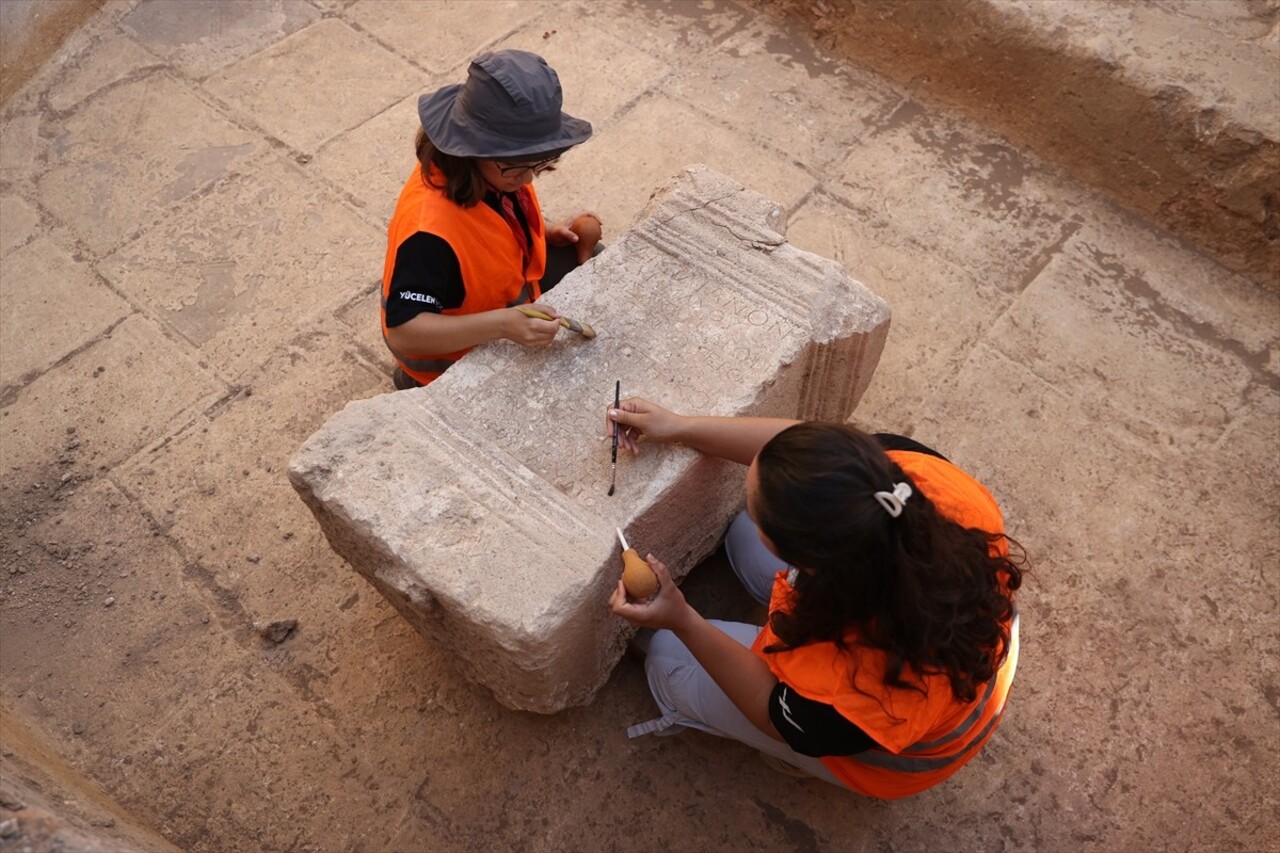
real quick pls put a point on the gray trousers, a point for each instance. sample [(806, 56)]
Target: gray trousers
[(687, 695)]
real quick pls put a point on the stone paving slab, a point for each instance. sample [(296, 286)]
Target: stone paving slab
[(595, 165), (338, 95), (140, 167), (1092, 542), (219, 488), (18, 221), (573, 48), (811, 117), (971, 200), (21, 146), (218, 273), (211, 34), (1189, 290), (953, 308), (100, 406), (93, 573), (372, 162), (98, 66), (677, 32), (71, 307), (367, 336), (442, 36), (98, 549), (1180, 392), (251, 721)]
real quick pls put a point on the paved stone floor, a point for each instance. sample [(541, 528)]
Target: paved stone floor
[(192, 207)]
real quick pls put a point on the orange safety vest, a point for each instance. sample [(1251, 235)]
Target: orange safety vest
[(923, 737), (488, 256)]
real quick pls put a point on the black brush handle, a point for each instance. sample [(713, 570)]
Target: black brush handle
[(617, 401)]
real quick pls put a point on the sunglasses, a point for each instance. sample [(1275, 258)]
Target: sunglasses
[(535, 168)]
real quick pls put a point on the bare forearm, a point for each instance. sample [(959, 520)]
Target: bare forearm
[(445, 333), (743, 676), (735, 439)]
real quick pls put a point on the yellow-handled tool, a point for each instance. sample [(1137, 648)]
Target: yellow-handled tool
[(583, 329)]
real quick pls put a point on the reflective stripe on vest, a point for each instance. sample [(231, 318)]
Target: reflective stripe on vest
[(905, 762), (962, 729)]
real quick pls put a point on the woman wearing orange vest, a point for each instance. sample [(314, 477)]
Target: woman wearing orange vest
[(891, 637), (467, 241)]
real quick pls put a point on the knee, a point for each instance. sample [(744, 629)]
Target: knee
[(665, 645), (740, 536), (754, 564), (667, 666)]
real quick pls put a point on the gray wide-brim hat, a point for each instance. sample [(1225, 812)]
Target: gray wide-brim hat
[(509, 107)]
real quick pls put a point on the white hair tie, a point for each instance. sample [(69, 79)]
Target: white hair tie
[(893, 501)]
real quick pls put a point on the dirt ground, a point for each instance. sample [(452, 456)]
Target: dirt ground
[(193, 201), (33, 31)]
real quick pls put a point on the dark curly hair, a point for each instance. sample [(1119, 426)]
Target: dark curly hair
[(932, 595)]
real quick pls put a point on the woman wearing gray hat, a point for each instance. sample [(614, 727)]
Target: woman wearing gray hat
[(467, 242)]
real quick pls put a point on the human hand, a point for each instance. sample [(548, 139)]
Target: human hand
[(636, 417), (531, 331), (561, 234), (666, 609)]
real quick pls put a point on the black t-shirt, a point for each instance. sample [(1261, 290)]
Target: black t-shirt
[(816, 728), (427, 276)]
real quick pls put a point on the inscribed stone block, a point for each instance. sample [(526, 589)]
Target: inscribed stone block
[(478, 505)]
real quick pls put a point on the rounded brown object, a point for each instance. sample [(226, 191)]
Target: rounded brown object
[(638, 579), (588, 229)]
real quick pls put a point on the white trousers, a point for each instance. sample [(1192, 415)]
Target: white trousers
[(687, 695)]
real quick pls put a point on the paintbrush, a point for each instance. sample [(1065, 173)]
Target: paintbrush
[(617, 401), (582, 328)]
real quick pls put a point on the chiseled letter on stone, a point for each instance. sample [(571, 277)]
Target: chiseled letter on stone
[(478, 505)]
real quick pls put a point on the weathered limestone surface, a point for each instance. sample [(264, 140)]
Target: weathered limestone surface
[(478, 505)]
